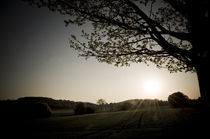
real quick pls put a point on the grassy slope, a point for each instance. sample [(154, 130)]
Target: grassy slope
[(154, 122)]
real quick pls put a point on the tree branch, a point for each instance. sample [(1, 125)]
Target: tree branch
[(178, 53)]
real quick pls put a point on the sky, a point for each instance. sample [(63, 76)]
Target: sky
[(36, 60)]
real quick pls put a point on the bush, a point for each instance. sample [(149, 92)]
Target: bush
[(90, 110), (39, 110), (178, 100), (81, 109), (126, 106), (14, 109)]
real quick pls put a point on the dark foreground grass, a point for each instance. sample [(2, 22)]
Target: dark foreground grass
[(145, 123)]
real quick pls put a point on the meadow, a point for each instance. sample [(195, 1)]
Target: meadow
[(154, 122)]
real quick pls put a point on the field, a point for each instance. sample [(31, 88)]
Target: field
[(144, 123)]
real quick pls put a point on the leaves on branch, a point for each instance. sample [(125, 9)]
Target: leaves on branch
[(124, 33)]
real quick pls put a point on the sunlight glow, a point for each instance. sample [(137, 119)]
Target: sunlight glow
[(152, 87)]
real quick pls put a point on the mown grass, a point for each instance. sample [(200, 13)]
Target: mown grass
[(144, 123)]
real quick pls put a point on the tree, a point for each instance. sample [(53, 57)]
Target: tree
[(101, 102), (178, 99), (169, 33), (126, 106), (80, 109)]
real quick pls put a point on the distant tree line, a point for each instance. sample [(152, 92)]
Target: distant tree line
[(35, 107), (42, 106), (54, 104), (137, 104), (133, 104)]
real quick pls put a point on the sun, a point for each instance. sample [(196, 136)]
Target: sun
[(152, 87)]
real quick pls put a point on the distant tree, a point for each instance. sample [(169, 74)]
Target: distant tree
[(178, 99), (81, 109), (90, 110), (172, 34), (38, 110), (126, 106), (101, 102)]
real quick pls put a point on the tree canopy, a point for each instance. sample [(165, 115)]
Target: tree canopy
[(123, 32), (178, 99), (127, 31), (101, 102)]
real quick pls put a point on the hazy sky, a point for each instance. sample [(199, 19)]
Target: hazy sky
[(36, 60)]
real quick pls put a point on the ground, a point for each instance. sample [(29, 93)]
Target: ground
[(144, 123)]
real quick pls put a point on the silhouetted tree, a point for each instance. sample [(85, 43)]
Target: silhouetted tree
[(178, 99), (37, 110), (81, 109), (126, 106), (169, 33), (101, 102), (90, 110)]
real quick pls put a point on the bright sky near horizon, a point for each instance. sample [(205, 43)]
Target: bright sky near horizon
[(36, 60)]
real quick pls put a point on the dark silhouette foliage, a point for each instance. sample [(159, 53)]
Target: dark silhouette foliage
[(178, 100), (54, 104), (126, 106), (101, 101), (15, 109), (39, 110), (81, 109), (36, 106), (90, 110)]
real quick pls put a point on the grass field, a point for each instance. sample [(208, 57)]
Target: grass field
[(144, 123)]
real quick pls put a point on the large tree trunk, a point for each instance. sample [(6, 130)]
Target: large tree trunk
[(203, 72), (200, 42)]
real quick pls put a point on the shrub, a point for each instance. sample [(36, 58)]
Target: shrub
[(14, 109), (90, 110), (126, 106), (81, 109), (178, 100), (39, 110)]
